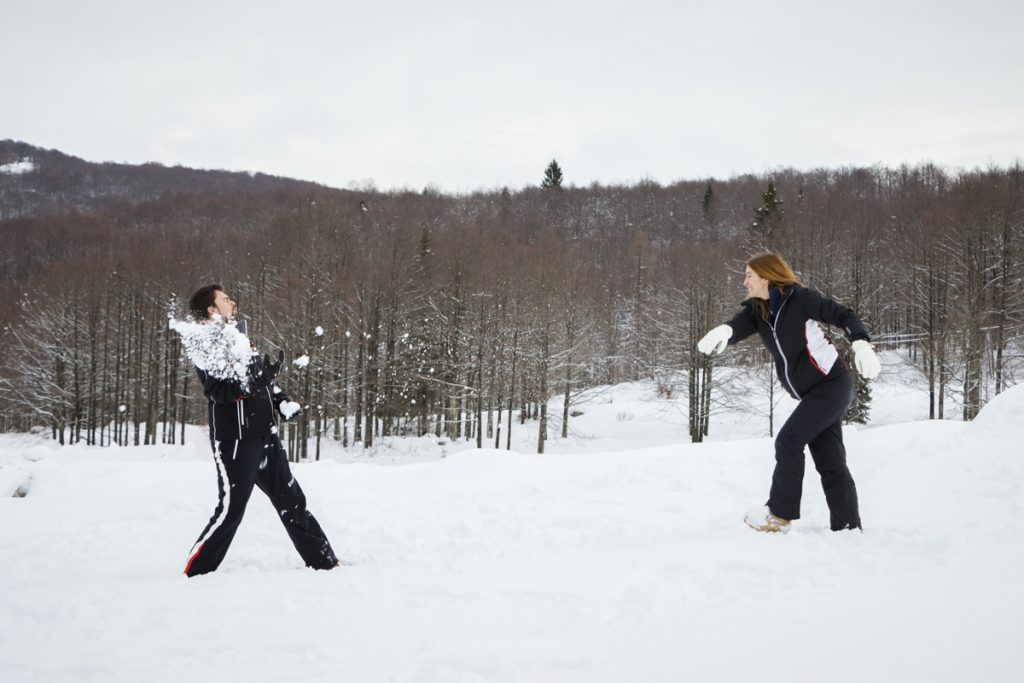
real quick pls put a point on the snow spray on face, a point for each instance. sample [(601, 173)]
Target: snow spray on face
[(219, 348)]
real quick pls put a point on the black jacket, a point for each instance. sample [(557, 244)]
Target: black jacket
[(804, 357), (233, 414)]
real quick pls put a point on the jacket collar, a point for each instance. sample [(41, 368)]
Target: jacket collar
[(785, 296)]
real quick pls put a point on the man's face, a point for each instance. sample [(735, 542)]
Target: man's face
[(223, 305)]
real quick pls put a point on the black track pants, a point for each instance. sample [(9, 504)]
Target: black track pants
[(817, 423), (263, 462)]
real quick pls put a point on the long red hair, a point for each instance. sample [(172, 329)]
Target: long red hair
[(771, 267)]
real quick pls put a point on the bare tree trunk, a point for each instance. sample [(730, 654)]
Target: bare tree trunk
[(184, 406), (542, 375), (357, 424), (512, 387)]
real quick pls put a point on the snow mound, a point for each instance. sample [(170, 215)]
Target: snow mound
[(626, 560), (44, 478), (1002, 416)]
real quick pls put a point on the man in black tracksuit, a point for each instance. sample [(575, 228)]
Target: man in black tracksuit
[(247, 451), (811, 370)]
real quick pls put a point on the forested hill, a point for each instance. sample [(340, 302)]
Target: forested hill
[(36, 182), (420, 311)]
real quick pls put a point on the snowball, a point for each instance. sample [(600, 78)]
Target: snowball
[(289, 408), (319, 331), (302, 361)]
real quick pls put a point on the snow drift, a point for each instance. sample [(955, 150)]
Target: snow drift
[(500, 566)]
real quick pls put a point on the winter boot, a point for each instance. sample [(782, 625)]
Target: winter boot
[(761, 519)]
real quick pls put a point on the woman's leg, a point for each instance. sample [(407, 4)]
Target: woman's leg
[(817, 412), (829, 455)]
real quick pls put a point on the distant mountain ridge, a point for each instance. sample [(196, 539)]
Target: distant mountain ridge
[(37, 182)]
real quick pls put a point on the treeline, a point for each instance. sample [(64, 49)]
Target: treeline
[(464, 316)]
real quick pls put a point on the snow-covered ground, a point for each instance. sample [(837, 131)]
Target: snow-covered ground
[(619, 555), (633, 416), (18, 167)]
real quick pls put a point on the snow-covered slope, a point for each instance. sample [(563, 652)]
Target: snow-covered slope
[(600, 565)]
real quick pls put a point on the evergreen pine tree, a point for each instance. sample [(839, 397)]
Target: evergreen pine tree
[(552, 176), (860, 409), (708, 209), (707, 205), (768, 220)]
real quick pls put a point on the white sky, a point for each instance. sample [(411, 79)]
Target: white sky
[(467, 95)]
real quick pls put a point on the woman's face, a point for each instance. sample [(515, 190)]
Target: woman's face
[(757, 288)]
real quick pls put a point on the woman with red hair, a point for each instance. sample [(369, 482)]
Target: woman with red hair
[(787, 315)]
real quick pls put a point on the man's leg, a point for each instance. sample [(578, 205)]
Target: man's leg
[(822, 407), (275, 479), (236, 474)]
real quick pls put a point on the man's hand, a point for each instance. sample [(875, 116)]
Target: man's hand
[(262, 374), (273, 368)]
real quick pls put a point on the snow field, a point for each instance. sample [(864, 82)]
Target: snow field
[(603, 564)]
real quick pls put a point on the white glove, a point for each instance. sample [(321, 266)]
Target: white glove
[(716, 340), (866, 360), (289, 409)]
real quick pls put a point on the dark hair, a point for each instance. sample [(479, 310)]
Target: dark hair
[(201, 300)]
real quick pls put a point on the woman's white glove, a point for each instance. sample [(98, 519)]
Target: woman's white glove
[(866, 360), (716, 340)]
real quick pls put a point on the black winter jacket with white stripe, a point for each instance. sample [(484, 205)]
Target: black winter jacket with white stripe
[(804, 357), (234, 414)]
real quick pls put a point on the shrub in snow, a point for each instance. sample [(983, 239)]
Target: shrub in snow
[(217, 347), (860, 409)]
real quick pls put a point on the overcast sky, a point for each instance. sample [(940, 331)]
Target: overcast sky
[(466, 95)]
